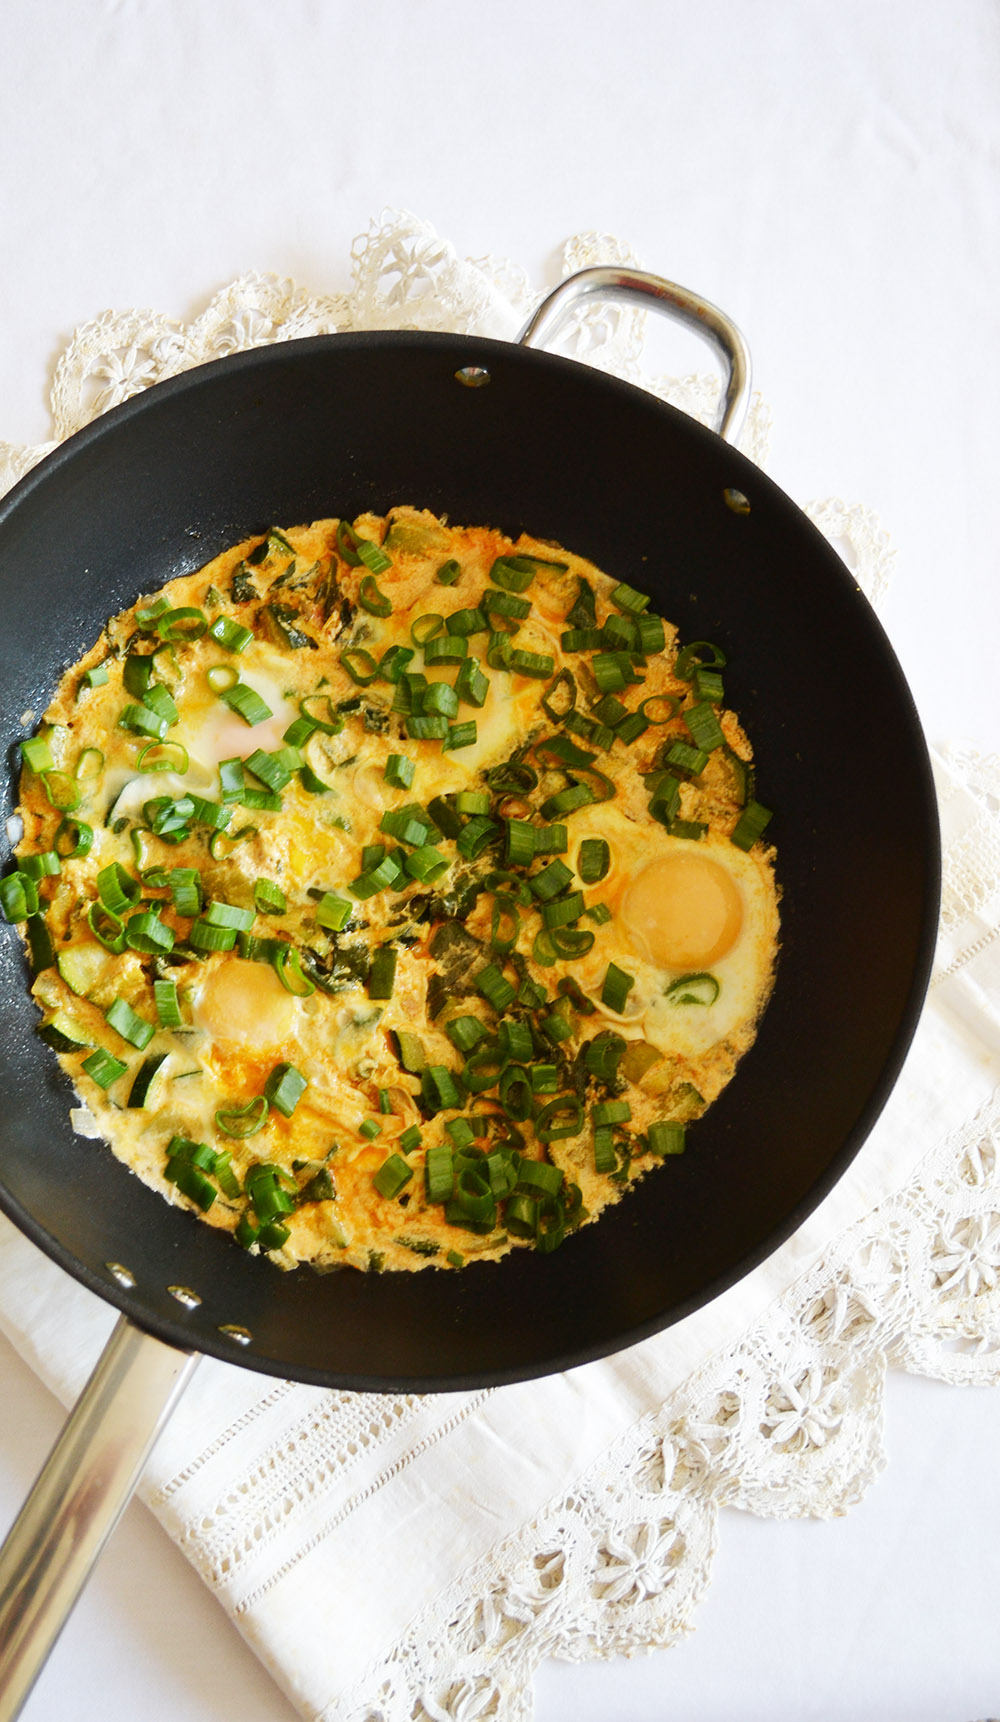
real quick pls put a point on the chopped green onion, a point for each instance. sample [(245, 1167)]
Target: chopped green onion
[(287, 965), (611, 1112), (244, 700), (370, 1128), (704, 726), (37, 754), (446, 649), (628, 599), (685, 760), (426, 628), (18, 896), (168, 1008), (593, 860), (441, 698), (221, 678), (670, 702), (439, 1172), (410, 1139), (117, 889), (666, 1137), (392, 1177), (271, 768), (699, 654), (331, 724), (432, 728), (460, 735), (399, 771), (567, 801), (371, 598), (107, 928), (520, 843), (448, 572), (183, 624), (495, 987), (41, 866), (475, 837), (571, 941), (708, 686), (97, 677), (470, 621), (206, 938), (185, 890), (269, 899), (699, 989), (561, 1118), (133, 1028), (333, 912), (471, 685), (617, 986), (142, 720), (284, 1088), (551, 880), (72, 838), (465, 1032), (231, 635), (559, 698), (228, 915), (164, 756), (605, 1158), (751, 823), (382, 974), (652, 635), (103, 1068), (532, 663), (145, 932)]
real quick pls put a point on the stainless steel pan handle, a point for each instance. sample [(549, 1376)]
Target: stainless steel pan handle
[(656, 294), (80, 1494)]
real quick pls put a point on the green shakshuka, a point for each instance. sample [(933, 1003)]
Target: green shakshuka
[(395, 892)]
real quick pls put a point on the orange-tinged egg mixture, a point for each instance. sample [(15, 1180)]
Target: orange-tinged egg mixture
[(396, 892)]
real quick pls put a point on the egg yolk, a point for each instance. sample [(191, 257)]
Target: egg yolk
[(245, 1004), (683, 911)]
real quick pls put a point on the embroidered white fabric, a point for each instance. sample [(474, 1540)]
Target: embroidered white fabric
[(600, 1538)]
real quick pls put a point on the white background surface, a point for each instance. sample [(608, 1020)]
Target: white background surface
[(829, 175)]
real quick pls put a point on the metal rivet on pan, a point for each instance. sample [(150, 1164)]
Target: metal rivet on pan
[(472, 376), (185, 1295), (123, 1275), (736, 500), (242, 1335)]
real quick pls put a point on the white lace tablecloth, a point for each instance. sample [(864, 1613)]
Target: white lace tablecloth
[(578, 1515)]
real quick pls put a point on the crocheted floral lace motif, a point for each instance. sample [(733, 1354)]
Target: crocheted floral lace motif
[(788, 1421)]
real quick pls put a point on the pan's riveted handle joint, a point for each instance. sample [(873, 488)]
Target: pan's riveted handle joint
[(653, 293)]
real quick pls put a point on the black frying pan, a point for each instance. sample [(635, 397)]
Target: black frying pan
[(337, 425)]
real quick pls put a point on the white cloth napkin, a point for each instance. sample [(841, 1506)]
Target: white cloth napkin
[(405, 1556)]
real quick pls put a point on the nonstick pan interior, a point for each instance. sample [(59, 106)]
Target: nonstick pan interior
[(295, 432)]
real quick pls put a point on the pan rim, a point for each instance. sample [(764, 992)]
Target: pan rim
[(476, 347)]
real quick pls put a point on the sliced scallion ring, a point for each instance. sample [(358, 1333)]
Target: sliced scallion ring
[(73, 837), (61, 791), (668, 703), (699, 989), (186, 623), (371, 598), (288, 968), (360, 665), (89, 765), (163, 756), (108, 929), (319, 710), (222, 677), (426, 628), (243, 1121)]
